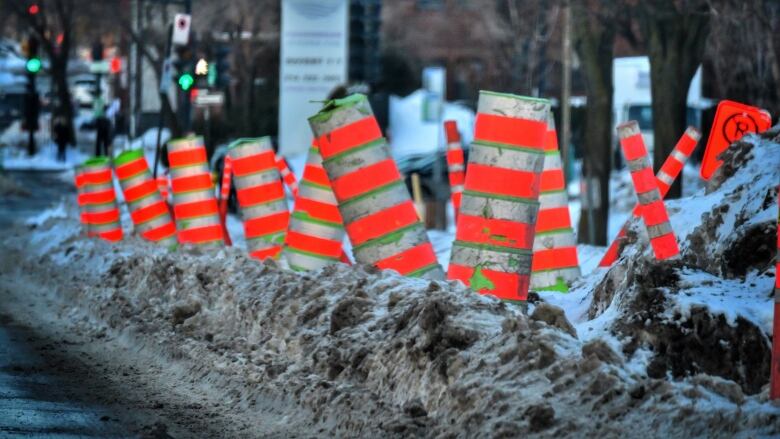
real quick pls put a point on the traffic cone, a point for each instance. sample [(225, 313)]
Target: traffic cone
[(555, 265), (316, 232), (194, 205), (162, 187), (79, 180), (287, 175), (774, 387), (148, 210), (102, 211), (665, 177), (456, 168), (379, 216), (652, 208), (260, 196), (494, 237)]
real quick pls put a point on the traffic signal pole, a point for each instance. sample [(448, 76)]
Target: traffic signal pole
[(31, 113), (161, 121)]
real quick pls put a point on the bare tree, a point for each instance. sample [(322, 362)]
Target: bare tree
[(53, 26), (675, 32), (594, 36)]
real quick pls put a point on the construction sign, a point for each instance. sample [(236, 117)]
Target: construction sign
[(732, 121)]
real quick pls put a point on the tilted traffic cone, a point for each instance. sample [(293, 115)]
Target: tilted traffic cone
[(492, 252), (555, 265), (456, 168), (100, 199), (260, 196), (665, 177), (316, 232), (287, 175), (148, 210), (651, 204), (379, 215)]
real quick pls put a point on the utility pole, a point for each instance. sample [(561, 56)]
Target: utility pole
[(566, 88)]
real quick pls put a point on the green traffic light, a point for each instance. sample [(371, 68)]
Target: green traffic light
[(33, 65), (185, 81)]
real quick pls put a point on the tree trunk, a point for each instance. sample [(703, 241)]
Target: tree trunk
[(59, 69), (594, 40), (675, 43)]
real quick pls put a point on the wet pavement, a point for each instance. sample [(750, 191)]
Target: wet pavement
[(37, 392)]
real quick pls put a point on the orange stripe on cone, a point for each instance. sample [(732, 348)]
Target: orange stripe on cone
[(382, 222), (509, 130), (505, 286), (365, 179), (409, 260), (349, 136), (497, 232)]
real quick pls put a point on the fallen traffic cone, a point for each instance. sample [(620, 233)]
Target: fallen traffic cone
[(316, 232), (495, 229), (260, 196), (665, 177), (652, 208), (456, 168), (379, 216), (102, 211), (148, 210), (555, 265), (194, 204)]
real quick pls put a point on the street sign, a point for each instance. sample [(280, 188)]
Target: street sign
[(732, 121), (181, 29), (102, 66), (205, 98)]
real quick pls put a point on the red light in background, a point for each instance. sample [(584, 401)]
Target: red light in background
[(116, 64), (60, 38), (33, 9)]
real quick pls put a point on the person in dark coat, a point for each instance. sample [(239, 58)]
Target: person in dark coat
[(60, 134)]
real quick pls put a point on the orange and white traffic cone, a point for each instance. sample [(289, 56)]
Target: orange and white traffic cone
[(555, 264), (456, 168), (774, 387), (194, 204), (79, 180), (379, 215), (162, 187), (492, 252), (652, 208), (316, 232), (287, 175), (148, 210), (102, 211), (665, 177), (260, 196)]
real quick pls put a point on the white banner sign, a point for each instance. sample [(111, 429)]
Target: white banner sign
[(313, 63)]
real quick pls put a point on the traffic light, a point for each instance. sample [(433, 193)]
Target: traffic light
[(33, 9), (33, 65), (185, 81), (30, 48)]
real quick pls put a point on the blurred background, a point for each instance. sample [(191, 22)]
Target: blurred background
[(129, 73)]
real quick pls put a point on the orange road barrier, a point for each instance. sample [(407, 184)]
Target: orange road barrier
[(102, 211), (79, 179), (287, 175), (555, 264), (652, 208), (665, 177), (224, 194), (194, 205), (148, 210), (260, 196), (456, 168), (494, 237), (379, 215), (774, 388), (316, 232), (732, 121)]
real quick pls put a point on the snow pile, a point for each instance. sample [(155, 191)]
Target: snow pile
[(367, 353), (710, 311)]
